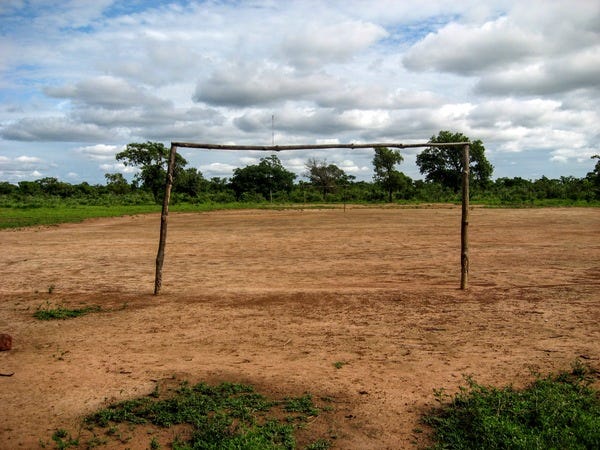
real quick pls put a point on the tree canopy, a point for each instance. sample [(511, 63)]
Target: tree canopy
[(265, 178), (444, 164), (386, 175), (327, 177), (152, 158)]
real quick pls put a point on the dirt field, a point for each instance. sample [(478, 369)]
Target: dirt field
[(275, 298)]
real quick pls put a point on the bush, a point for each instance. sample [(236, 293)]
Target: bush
[(558, 411)]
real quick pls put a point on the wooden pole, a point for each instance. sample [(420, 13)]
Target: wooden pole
[(464, 229), (160, 257), (278, 148)]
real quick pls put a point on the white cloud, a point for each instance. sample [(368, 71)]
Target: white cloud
[(245, 85), (468, 49), (28, 159), (54, 129), (522, 76), (107, 92), (100, 152), (316, 44)]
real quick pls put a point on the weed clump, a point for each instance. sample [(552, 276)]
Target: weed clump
[(61, 313), (555, 411), (226, 416)]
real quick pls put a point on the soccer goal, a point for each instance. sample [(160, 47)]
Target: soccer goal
[(464, 247)]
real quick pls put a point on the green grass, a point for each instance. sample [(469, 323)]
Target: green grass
[(64, 211), (226, 416), (61, 313), (554, 412), (67, 212), (37, 216)]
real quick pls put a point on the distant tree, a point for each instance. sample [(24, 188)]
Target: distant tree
[(444, 164), (594, 176), (189, 181), (386, 175), (29, 188), (116, 183), (327, 177), (152, 158), (7, 188), (52, 186), (265, 178)]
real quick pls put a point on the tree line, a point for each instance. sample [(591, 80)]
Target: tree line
[(270, 181)]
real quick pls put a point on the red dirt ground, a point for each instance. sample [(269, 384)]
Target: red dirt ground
[(275, 298)]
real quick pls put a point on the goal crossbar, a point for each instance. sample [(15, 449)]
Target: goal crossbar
[(160, 257)]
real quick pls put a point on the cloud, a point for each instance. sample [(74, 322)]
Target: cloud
[(564, 155), (107, 92), (471, 49), (100, 152), (21, 168), (580, 70), (244, 86), (375, 97), (522, 76), (316, 44), (217, 169), (119, 168), (57, 129)]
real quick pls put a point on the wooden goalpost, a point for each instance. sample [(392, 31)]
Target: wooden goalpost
[(464, 236)]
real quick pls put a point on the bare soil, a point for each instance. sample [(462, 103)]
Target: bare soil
[(276, 298)]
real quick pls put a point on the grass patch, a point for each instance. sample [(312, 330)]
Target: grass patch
[(61, 313), (63, 213), (554, 412), (225, 416)]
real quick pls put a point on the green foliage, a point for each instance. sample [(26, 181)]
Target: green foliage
[(152, 158), (226, 416), (61, 313), (326, 177), (594, 177), (444, 164), (303, 404), (265, 178), (64, 211), (49, 201), (554, 412), (384, 162), (63, 439), (116, 183), (320, 444)]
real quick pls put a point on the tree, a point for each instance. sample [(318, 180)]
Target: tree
[(444, 164), (265, 178), (326, 176), (189, 181), (386, 175), (152, 158), (594, 176), (116, 183)]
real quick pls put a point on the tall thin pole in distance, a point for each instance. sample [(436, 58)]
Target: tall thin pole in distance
[(160, 257), (464, 229)]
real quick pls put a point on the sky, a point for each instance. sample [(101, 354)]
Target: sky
[(80, 79)]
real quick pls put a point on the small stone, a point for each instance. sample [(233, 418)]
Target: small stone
[(5, 342)]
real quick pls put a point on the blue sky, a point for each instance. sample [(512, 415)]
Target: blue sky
[(80, 79)]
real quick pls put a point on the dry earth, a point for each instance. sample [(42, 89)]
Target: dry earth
[(275, 298)]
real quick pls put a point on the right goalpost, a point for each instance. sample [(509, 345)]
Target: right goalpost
[(464, 229)]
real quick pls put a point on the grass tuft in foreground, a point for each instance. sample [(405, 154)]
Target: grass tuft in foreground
[(61, 313), (227, 416), (554, 412)]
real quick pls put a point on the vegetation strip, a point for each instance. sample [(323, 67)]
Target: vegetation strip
[(226, 416), (62, 313), (49, 201), (557, 411)]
